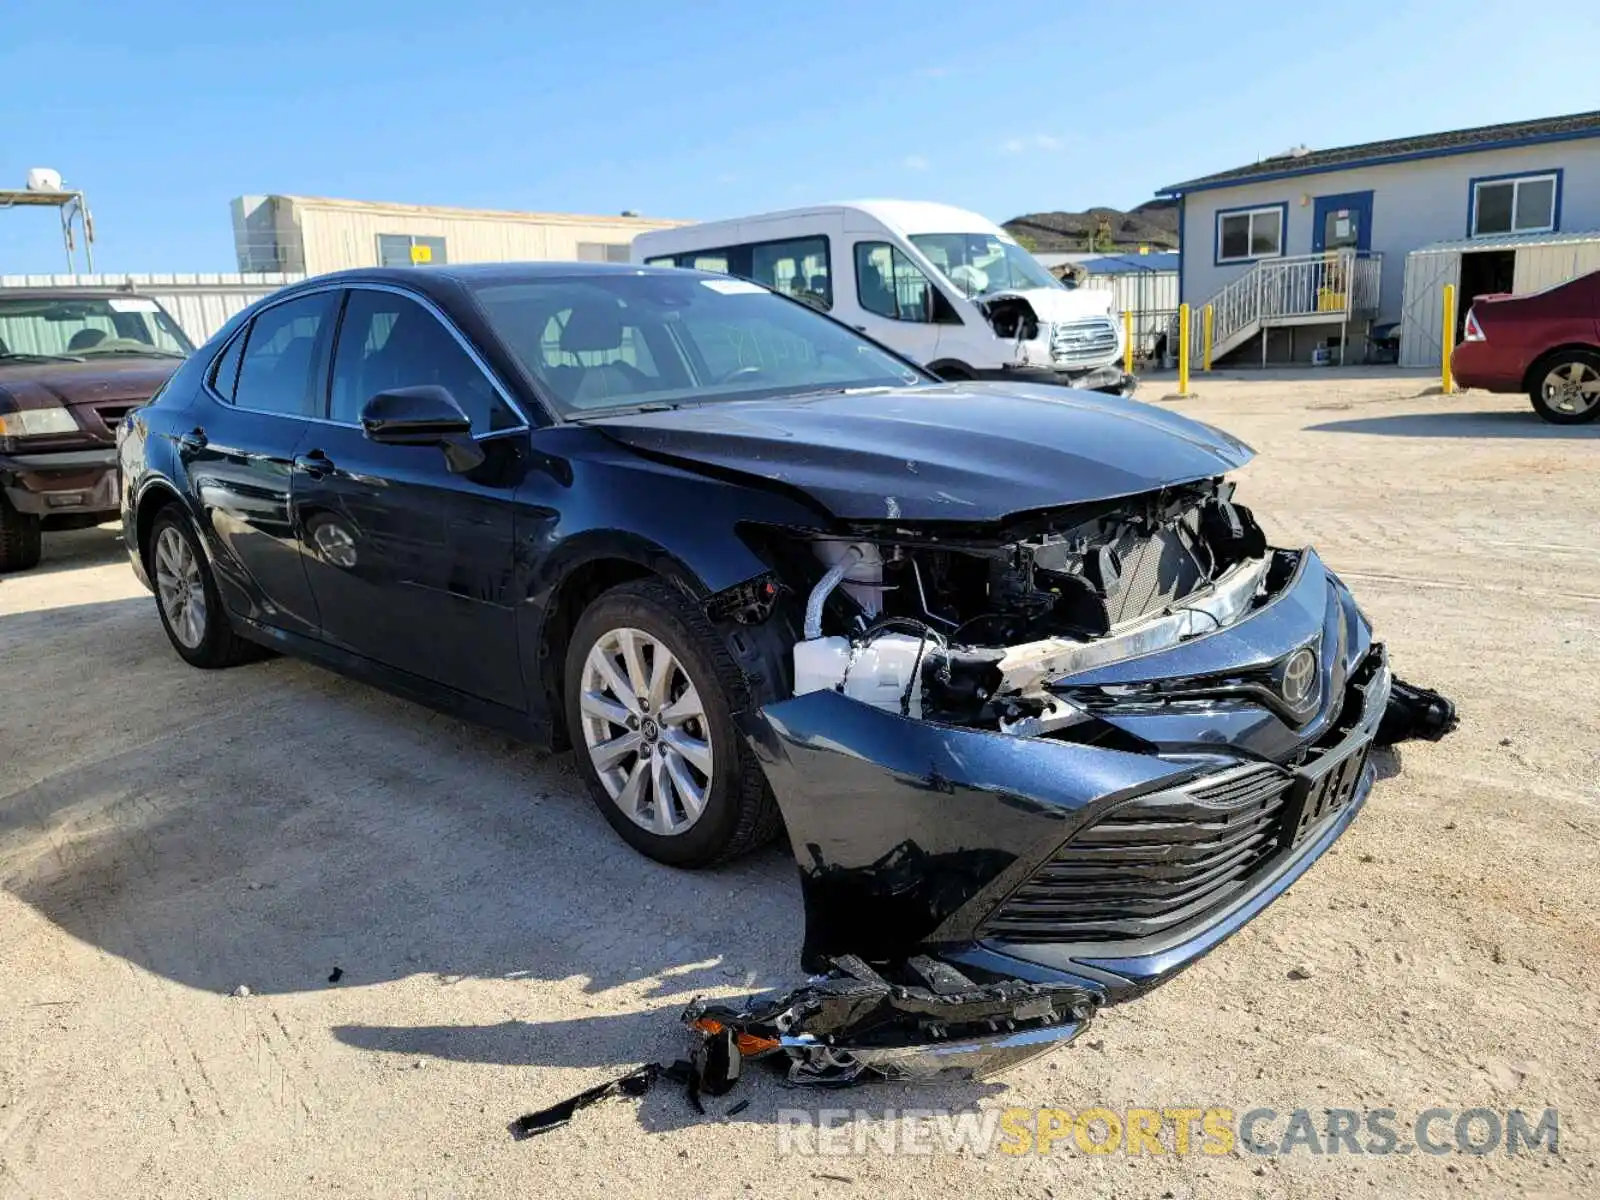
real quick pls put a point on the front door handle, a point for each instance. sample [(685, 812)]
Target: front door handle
[(194, 440), (316, 464)]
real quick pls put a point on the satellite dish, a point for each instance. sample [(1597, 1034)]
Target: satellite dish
[(44, 179)]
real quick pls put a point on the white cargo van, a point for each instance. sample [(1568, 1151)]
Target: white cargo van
[(944, 287)]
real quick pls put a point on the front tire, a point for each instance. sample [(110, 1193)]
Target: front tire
[(20, 543), (1566, 387), (187, 599), (650, 691)]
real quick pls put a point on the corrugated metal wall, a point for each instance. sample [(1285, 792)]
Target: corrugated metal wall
[(1152, 297), (1538, 264), (1421, 308), (1141, 291), (200, 303), (1545, 266)]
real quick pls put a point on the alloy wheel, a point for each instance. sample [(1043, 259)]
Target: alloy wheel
[(1572, 388), (180, 588), (644, 728)]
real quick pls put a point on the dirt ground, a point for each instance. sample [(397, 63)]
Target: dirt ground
[(167, 835)]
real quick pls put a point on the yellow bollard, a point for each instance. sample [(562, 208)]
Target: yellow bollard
[(1447, 338), (1127, 341), (1205, 337), (1183, 349)]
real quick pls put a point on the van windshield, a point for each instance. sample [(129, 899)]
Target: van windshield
[(667, 339), (980, 264)]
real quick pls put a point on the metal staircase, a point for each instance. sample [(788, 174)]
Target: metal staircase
[(1309, 289)]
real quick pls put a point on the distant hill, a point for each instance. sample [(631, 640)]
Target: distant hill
[(1153, 224)]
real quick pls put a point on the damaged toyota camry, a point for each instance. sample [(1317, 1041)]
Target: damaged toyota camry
[(1042, 712)]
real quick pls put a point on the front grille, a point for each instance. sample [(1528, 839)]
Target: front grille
[(1152, 863), (1082, 343), (111, 414)]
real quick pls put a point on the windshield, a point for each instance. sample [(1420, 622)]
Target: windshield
[(672, 338), (78, 329), (981, 264)]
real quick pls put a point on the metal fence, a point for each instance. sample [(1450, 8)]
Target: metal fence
[(1152, 298), (200, 303)]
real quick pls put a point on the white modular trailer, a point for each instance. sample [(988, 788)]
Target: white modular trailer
[(314, 234)]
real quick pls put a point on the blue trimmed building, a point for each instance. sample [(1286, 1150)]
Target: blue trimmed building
[(1308, 249)]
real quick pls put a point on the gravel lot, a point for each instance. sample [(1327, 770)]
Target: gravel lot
[(167, 835)]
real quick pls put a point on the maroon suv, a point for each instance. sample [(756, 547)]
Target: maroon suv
[(73, 363), (1546, 344)]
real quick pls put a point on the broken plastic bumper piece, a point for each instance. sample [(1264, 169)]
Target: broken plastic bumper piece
[(855, 1023)]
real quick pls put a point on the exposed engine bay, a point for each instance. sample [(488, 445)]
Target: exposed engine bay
[(967, 626), (1011, 316)]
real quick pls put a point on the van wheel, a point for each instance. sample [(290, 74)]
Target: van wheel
[(1566, 387), (19, 539), (955, 372)]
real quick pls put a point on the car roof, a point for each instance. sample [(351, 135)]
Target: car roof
[(417, 278)]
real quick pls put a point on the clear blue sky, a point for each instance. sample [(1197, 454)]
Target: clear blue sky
[(162, 111)]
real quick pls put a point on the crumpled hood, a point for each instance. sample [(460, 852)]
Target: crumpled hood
[(956, 452), (1061, 304), (108, 381)]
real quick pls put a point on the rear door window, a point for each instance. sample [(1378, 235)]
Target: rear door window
[(225, 371), (284, 355)]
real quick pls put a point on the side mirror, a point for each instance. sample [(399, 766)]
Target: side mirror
[(426, 415)]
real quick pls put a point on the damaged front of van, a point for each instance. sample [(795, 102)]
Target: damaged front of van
[(1019, 322)]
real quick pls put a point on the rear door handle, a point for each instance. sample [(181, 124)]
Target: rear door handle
[(194, 440), (316, 464)]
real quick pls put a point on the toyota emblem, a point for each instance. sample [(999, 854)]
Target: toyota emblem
[(1299, 677)]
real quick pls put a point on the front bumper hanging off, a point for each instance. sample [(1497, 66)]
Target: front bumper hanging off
[(1098, 871)]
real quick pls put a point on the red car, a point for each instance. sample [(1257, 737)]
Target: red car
[(1546, 344)]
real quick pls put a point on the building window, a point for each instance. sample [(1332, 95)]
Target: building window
[(406, 250), (603, 252), (1521, 204), (1250, 233)]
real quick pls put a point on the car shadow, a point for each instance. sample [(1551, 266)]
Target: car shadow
[(1488, 424), (281, 822), (623, 1041), (266, 824)]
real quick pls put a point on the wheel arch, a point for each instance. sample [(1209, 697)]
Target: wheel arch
[(156, 495), (1545, 358), (596, 564), (952, 370)]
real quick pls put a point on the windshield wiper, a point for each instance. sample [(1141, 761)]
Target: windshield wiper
[(11, 357), (614, 410)]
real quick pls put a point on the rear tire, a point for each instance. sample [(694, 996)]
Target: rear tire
[(20, 543), (1566, 387), (715, 803), (187, 600)]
